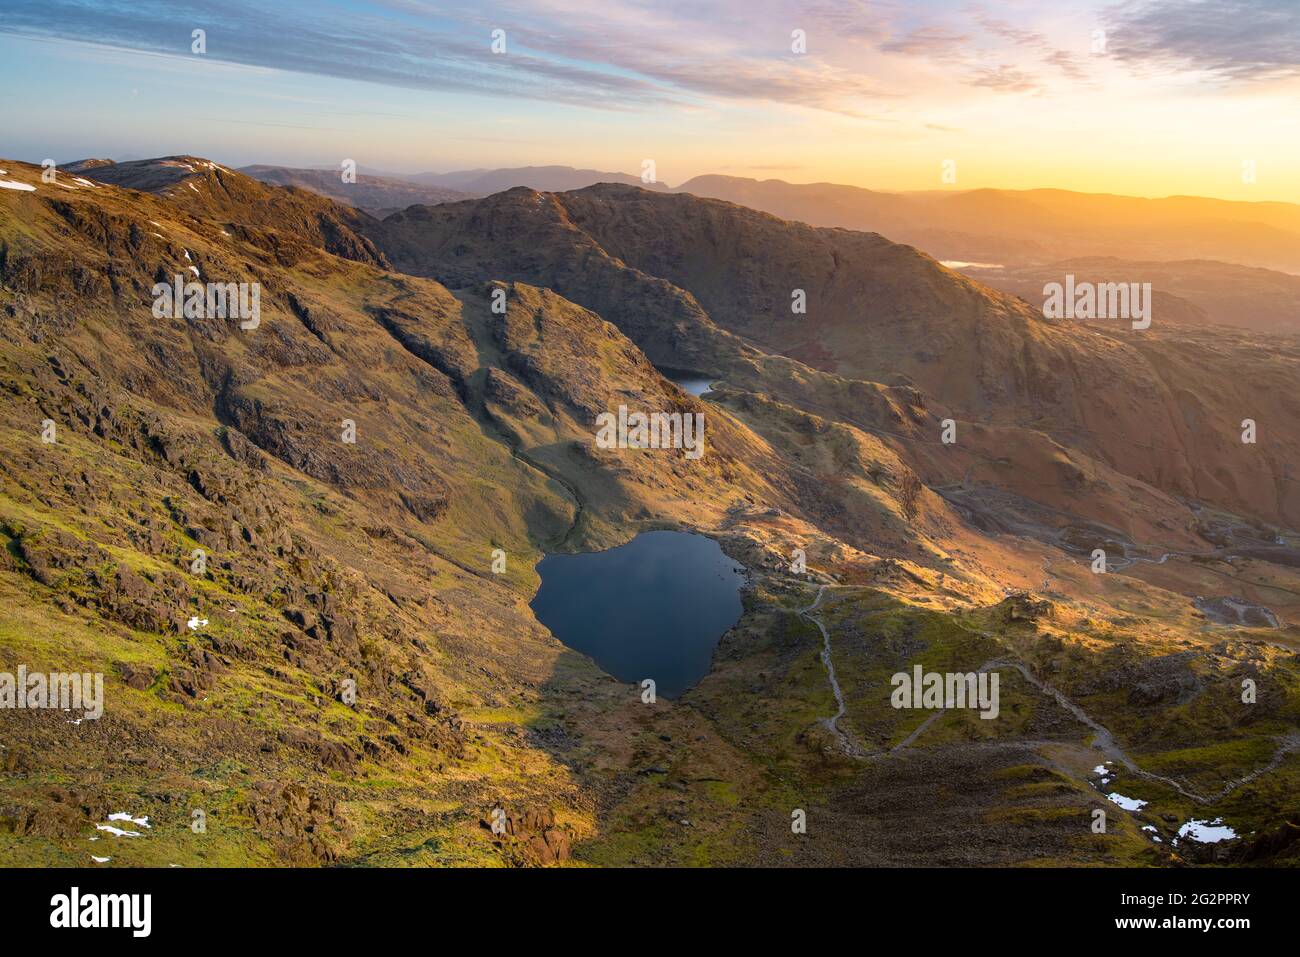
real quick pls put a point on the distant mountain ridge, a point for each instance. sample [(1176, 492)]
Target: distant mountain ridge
[(1016, 228), (1196, 291), (378, 195), (383, 194), (547, 179), (1033, 226)]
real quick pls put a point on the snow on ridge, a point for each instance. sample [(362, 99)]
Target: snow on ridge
[(21, 187), (117, 832), (124, 816)]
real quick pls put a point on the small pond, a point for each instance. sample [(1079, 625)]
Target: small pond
[(653, 608), (696, 383)]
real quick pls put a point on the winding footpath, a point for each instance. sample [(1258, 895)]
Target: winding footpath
[(832, 724), (1103, 740)]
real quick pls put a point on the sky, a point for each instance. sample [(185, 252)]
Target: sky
[(1142, 97)]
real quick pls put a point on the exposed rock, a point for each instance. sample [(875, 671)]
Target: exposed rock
[(531, 837), (297, 820)]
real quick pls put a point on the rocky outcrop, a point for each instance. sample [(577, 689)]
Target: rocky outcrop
[(299, 821), (528, 837)]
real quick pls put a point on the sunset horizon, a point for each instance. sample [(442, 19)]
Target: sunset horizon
[(1128, 99)]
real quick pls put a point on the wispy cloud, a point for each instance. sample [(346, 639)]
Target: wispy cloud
[(1238, 40), (331, 40), (1068, 63), (864, 59), (1005, 78), (618, 55), (932, 41), (1007, 31)]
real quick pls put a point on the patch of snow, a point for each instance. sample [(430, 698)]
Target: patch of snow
[(1127, 803), (117, 832), (196, 623), (86, 182), (194, 269), (1207, 832), (23, 187), (1151, 829), (192, 186), (100, 860), (123, 816)]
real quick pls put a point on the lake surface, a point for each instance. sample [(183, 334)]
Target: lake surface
[(653, 608), (962, 264), (696, 383)]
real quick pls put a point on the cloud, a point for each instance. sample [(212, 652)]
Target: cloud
[(1068, 63), (1017, 35), (615, 54), (1005, 79), (325, 40), (1240, 40), (931, 41)]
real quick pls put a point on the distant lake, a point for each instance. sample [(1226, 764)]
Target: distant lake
[(653, 608), (696, 383)]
